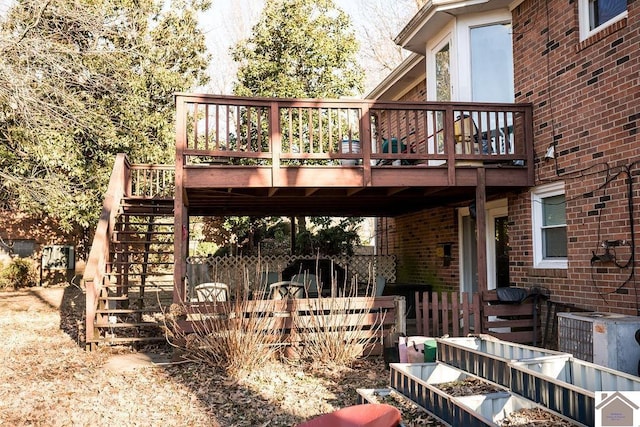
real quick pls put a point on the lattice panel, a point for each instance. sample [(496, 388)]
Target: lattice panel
[(252, 270)]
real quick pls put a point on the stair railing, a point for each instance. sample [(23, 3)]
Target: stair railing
[(96, 274)]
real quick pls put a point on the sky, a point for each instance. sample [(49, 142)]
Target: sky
[(226, 23)]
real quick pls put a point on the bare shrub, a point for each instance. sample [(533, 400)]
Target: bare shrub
[(335, 331), (238, 336)]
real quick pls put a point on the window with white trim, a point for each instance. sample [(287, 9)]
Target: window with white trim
[(595, 15), (549, 220)]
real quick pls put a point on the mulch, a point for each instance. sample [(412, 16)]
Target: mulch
[(48, 379)]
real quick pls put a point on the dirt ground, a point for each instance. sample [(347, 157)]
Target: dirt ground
[(48, 379)]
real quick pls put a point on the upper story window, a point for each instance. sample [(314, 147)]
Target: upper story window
[(471, 59), (549, 221), (491, 63), (598, 14)]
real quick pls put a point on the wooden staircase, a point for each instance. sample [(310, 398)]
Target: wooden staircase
[(129, 276), (141, 274)]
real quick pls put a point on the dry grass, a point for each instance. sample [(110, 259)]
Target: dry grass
[(47, 379)]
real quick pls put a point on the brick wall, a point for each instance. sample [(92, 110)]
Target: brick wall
[(416, 238), (586, 98), (43, 231)]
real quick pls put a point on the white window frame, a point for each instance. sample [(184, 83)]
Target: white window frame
[(583, 18), (537, 195), (444, 37), (463, 39)]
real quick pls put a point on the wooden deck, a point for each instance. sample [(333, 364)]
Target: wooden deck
[(251, 156), (293, 157)]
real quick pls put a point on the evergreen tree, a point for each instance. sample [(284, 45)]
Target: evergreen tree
[(303, 49), (81, 81), (299, 49)]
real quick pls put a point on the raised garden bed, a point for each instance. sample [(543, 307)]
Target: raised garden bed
[(568, 385), (459, 398), (503, 409), (488, 357), (412, 414), (467, 387)]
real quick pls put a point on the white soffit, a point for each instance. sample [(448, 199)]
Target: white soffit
[(435, 14)]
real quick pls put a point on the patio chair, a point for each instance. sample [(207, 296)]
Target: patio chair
[(286, 290), (465, 133), (211, 292), (309, 282), (468, 137)]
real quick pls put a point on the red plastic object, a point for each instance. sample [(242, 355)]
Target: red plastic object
[(367, 415)]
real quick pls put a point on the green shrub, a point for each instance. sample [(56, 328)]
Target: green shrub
[(19, 273)]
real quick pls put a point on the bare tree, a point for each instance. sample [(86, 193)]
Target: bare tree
[(380, 21)]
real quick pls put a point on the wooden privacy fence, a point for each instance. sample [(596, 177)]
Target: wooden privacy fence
[(457, 314), (364, 321), (446, 313)]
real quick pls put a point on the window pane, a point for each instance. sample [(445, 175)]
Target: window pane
[(555, 242), (601, 11), (491, 63), (24, 248), (553, 210), (443, 79)]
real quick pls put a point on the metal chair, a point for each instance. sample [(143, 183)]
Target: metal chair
[(212, 292)]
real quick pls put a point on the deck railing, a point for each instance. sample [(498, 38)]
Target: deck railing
[(96, 273), (285, 132), (152, 181)]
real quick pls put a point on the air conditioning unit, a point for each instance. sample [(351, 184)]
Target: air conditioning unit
[(58, 257), (606, 339)]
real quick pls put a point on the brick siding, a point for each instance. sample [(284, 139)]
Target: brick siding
[(586, 98), (43, 231)]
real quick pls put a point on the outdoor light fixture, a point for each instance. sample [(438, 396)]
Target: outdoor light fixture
[(551, 152)]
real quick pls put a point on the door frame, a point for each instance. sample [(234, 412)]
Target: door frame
[(494, 209)]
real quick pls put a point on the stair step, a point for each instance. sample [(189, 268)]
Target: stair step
[(125, 324), (125, 340), (124, 251), (148, 273), (114, 311), (147, 214), (159, 200), (134, 232), (133, 262), (141, 242), (116, 298), (146, 223)]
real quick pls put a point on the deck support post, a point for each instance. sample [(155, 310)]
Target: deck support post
[(481, 229), (180, 212), (401, 309)]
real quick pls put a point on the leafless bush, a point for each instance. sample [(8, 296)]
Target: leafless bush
[(335, 331), (238, 336)]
